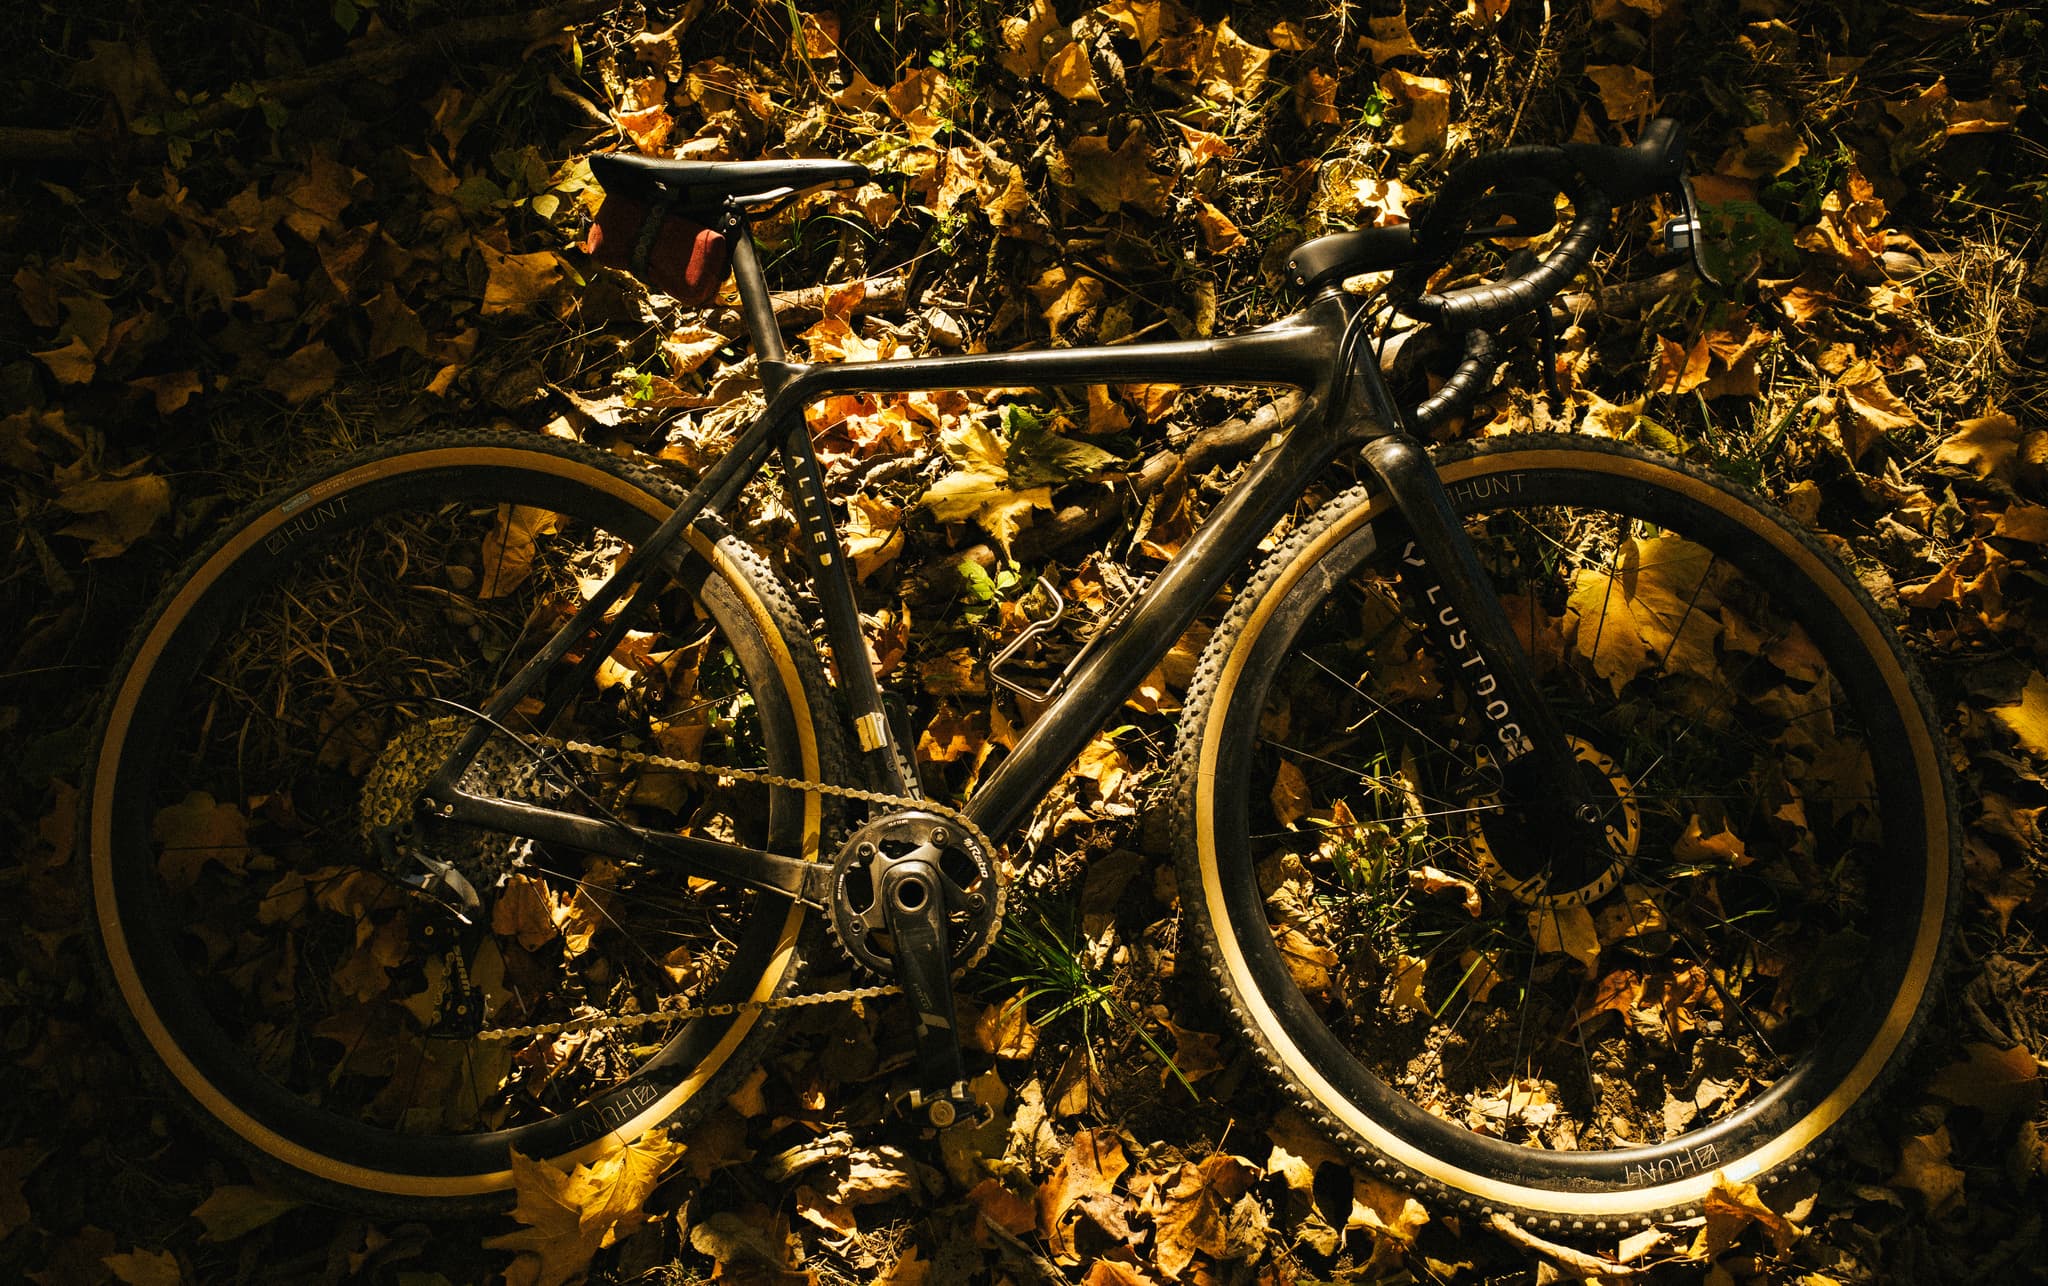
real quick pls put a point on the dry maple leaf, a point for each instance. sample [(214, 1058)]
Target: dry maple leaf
[(1194, 1213), (195, 831), (2027, 718), (1425, 126), (518, 282), (1651, 610), (1998, 1081), (1005, 1028), (113, 513), (507, 552), (572, 1214), (305, 375), (1023, 39), (1924, 1168), (1625, 92), (1094, 1160), (1112, 179)]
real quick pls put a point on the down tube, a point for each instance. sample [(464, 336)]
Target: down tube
[(1219, 547)]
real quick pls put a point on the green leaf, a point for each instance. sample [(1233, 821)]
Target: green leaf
[(979, 586), (1040, 458)]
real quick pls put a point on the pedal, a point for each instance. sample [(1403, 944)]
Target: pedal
[(955, 1109)]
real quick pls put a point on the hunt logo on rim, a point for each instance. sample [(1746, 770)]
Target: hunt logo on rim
[(304, 520), (613, 1111), (1700, 1160)]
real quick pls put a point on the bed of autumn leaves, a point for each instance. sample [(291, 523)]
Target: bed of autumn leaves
[(239, 242)]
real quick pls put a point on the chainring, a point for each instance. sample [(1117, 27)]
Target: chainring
[(971, 892)]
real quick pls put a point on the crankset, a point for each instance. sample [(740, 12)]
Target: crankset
[(913, 894)]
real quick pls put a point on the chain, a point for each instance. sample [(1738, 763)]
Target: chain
[(615, 1022)]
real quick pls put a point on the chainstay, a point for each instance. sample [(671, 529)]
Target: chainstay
[(611, 1022)]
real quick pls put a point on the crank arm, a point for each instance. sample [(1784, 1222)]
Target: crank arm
[(807, 882), (912, 896)]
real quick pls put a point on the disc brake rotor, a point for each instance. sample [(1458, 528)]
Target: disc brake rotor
[(1585, 863)]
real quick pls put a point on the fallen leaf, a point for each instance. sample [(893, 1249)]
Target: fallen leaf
[(518, 282), (1023, 52), (1093, 1160), (114, 513), (1625, 92), (507, 553), (1005, 1209), (1192, 1213), (1924, 1168), (1870, 411), (2027, 718), (1988, 447), (198, 830), (1387, 36), (1409, 974), (1068, 74), (525, 910), (169, 392), (1765, 151), (1311, 964), (71, 363), (1721, 845), (1005, 1029), (1219, 234), (1112, 179), (1231, 68), (1652, 610), (1424, 120), (1568, 930), (572, 1213), (1289, 795), (16, 1164), (1730, 1207), (145, 1268), (238, 1210), (305, 375), (1994, 1079)]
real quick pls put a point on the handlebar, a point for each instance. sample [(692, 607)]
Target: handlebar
[(1593, 175)]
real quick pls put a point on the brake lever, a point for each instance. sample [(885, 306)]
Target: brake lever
[(1684, 232)]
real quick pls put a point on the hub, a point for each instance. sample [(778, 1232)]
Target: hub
[(1544, 861)]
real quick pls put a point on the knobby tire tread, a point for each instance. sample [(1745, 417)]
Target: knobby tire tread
[(762, 581), (1183, 780)]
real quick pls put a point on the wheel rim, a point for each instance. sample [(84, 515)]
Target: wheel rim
[(317, 1033), (1409, 1100)]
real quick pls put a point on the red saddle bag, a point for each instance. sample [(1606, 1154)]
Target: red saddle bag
[(678, 256)]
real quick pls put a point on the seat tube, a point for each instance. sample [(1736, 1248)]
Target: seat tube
[(757, 303), (1441, 570)]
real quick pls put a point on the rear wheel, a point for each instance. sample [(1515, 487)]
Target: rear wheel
[(1580, 1024), (286, 702)]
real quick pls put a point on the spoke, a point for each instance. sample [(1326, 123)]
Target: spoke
[(1375, 702)]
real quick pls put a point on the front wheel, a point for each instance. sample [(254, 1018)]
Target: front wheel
[(284, 706), (1577, 1023)]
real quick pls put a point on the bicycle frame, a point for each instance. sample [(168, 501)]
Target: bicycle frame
[(1347, 407)]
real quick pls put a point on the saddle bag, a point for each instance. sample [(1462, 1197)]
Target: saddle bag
[(667, 249)]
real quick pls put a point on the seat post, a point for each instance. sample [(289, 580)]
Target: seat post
[(757, 305)]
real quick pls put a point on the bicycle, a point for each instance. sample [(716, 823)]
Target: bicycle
[(481, 792)]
